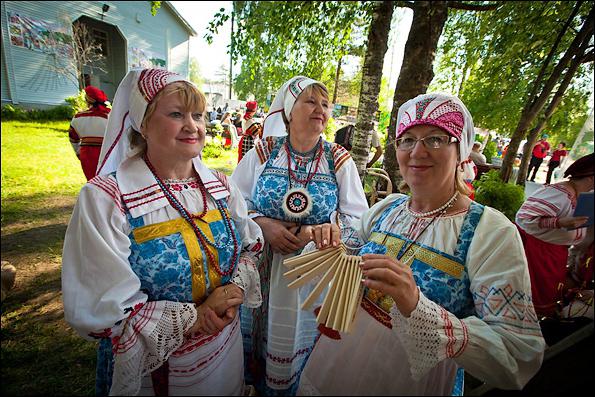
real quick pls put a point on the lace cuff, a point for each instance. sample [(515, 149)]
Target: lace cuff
[(247, 278), (148, 339), (429, 335)]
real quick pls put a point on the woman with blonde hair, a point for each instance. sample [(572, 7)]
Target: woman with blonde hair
[(296, 185), (160, 253)]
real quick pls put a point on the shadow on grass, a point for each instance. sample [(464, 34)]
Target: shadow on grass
[(36, 207), (41, 354), (36, 240)]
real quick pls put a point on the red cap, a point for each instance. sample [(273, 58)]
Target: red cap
[(95, 94), (252, 105)]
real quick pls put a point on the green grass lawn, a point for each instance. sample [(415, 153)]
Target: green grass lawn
[(41, 178)]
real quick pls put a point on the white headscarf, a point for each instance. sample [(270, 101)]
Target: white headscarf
[(284, 100), (446, 112), (134, 94)]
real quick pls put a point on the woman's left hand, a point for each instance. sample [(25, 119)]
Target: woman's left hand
[(326, 235), (393, 278)]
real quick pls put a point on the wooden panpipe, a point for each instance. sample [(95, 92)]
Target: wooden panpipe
[(341, 272)]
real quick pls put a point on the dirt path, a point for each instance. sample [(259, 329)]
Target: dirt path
[(41, 354)]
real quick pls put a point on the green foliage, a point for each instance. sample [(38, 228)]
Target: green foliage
[(507, 198), (155, 6), (312, 36), (491, 59), (78, 102), (490, 150), (329, 130), (10, 112), (212, 150)]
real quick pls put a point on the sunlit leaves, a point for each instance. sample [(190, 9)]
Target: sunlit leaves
[(491, 59), (277, 40)]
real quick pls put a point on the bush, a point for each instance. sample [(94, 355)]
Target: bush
[(212, 150), (507, 198), (63, 112), (490, 150), (78, 102)]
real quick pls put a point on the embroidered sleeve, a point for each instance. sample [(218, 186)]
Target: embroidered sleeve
[(246, 275), (340, 156), (245, 176), (429, 335), (263, 148), (505, 346), (149, 337), (99, 287), (501, 342), (540, 214)]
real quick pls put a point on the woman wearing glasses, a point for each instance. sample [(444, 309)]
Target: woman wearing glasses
[(446, 282)]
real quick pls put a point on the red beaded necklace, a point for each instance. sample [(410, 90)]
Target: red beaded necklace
[(311, 173), (202, 238)]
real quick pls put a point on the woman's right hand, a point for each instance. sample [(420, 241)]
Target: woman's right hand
[(218, 310), (572, 222), (207, 321), (277, 234)]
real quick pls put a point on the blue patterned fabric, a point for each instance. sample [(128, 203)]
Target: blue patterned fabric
[(273, 184), (449, 292), (459, 386), (268, 198), (105, 367), (163, 267)]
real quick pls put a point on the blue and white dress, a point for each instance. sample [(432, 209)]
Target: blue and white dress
[(279, 336), (132, 270), (474, 312)]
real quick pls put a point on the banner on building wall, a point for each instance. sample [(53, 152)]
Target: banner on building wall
[(38, 35), (138, 58)]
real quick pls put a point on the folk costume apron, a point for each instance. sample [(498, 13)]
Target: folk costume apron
[(278, 336), (172, 265), (441, 277)]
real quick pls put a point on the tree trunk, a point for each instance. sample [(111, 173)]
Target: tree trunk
[(531, 111), (417, 70), (535, 132), (337, 75), (371, 79)]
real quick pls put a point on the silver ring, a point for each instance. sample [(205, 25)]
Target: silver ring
[(225, 291)]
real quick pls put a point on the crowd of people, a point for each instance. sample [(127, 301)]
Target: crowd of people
[(176, 269)]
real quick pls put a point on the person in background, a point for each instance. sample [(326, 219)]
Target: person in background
[(548, 228), (296, 185), (87, 130), (344, 137), (252, 130), (160, 252), (476, 155), (446, 285), (376, 145), (540, 151), (555, 161)]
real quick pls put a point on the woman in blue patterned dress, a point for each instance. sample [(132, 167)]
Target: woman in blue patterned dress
[(160, 253), (296, 186), (447, 287)]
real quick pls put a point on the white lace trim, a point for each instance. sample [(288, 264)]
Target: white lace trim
[(430, 335), (147, 341), (247, 278)]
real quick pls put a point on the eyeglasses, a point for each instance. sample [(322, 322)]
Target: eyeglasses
[(431, 142)]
